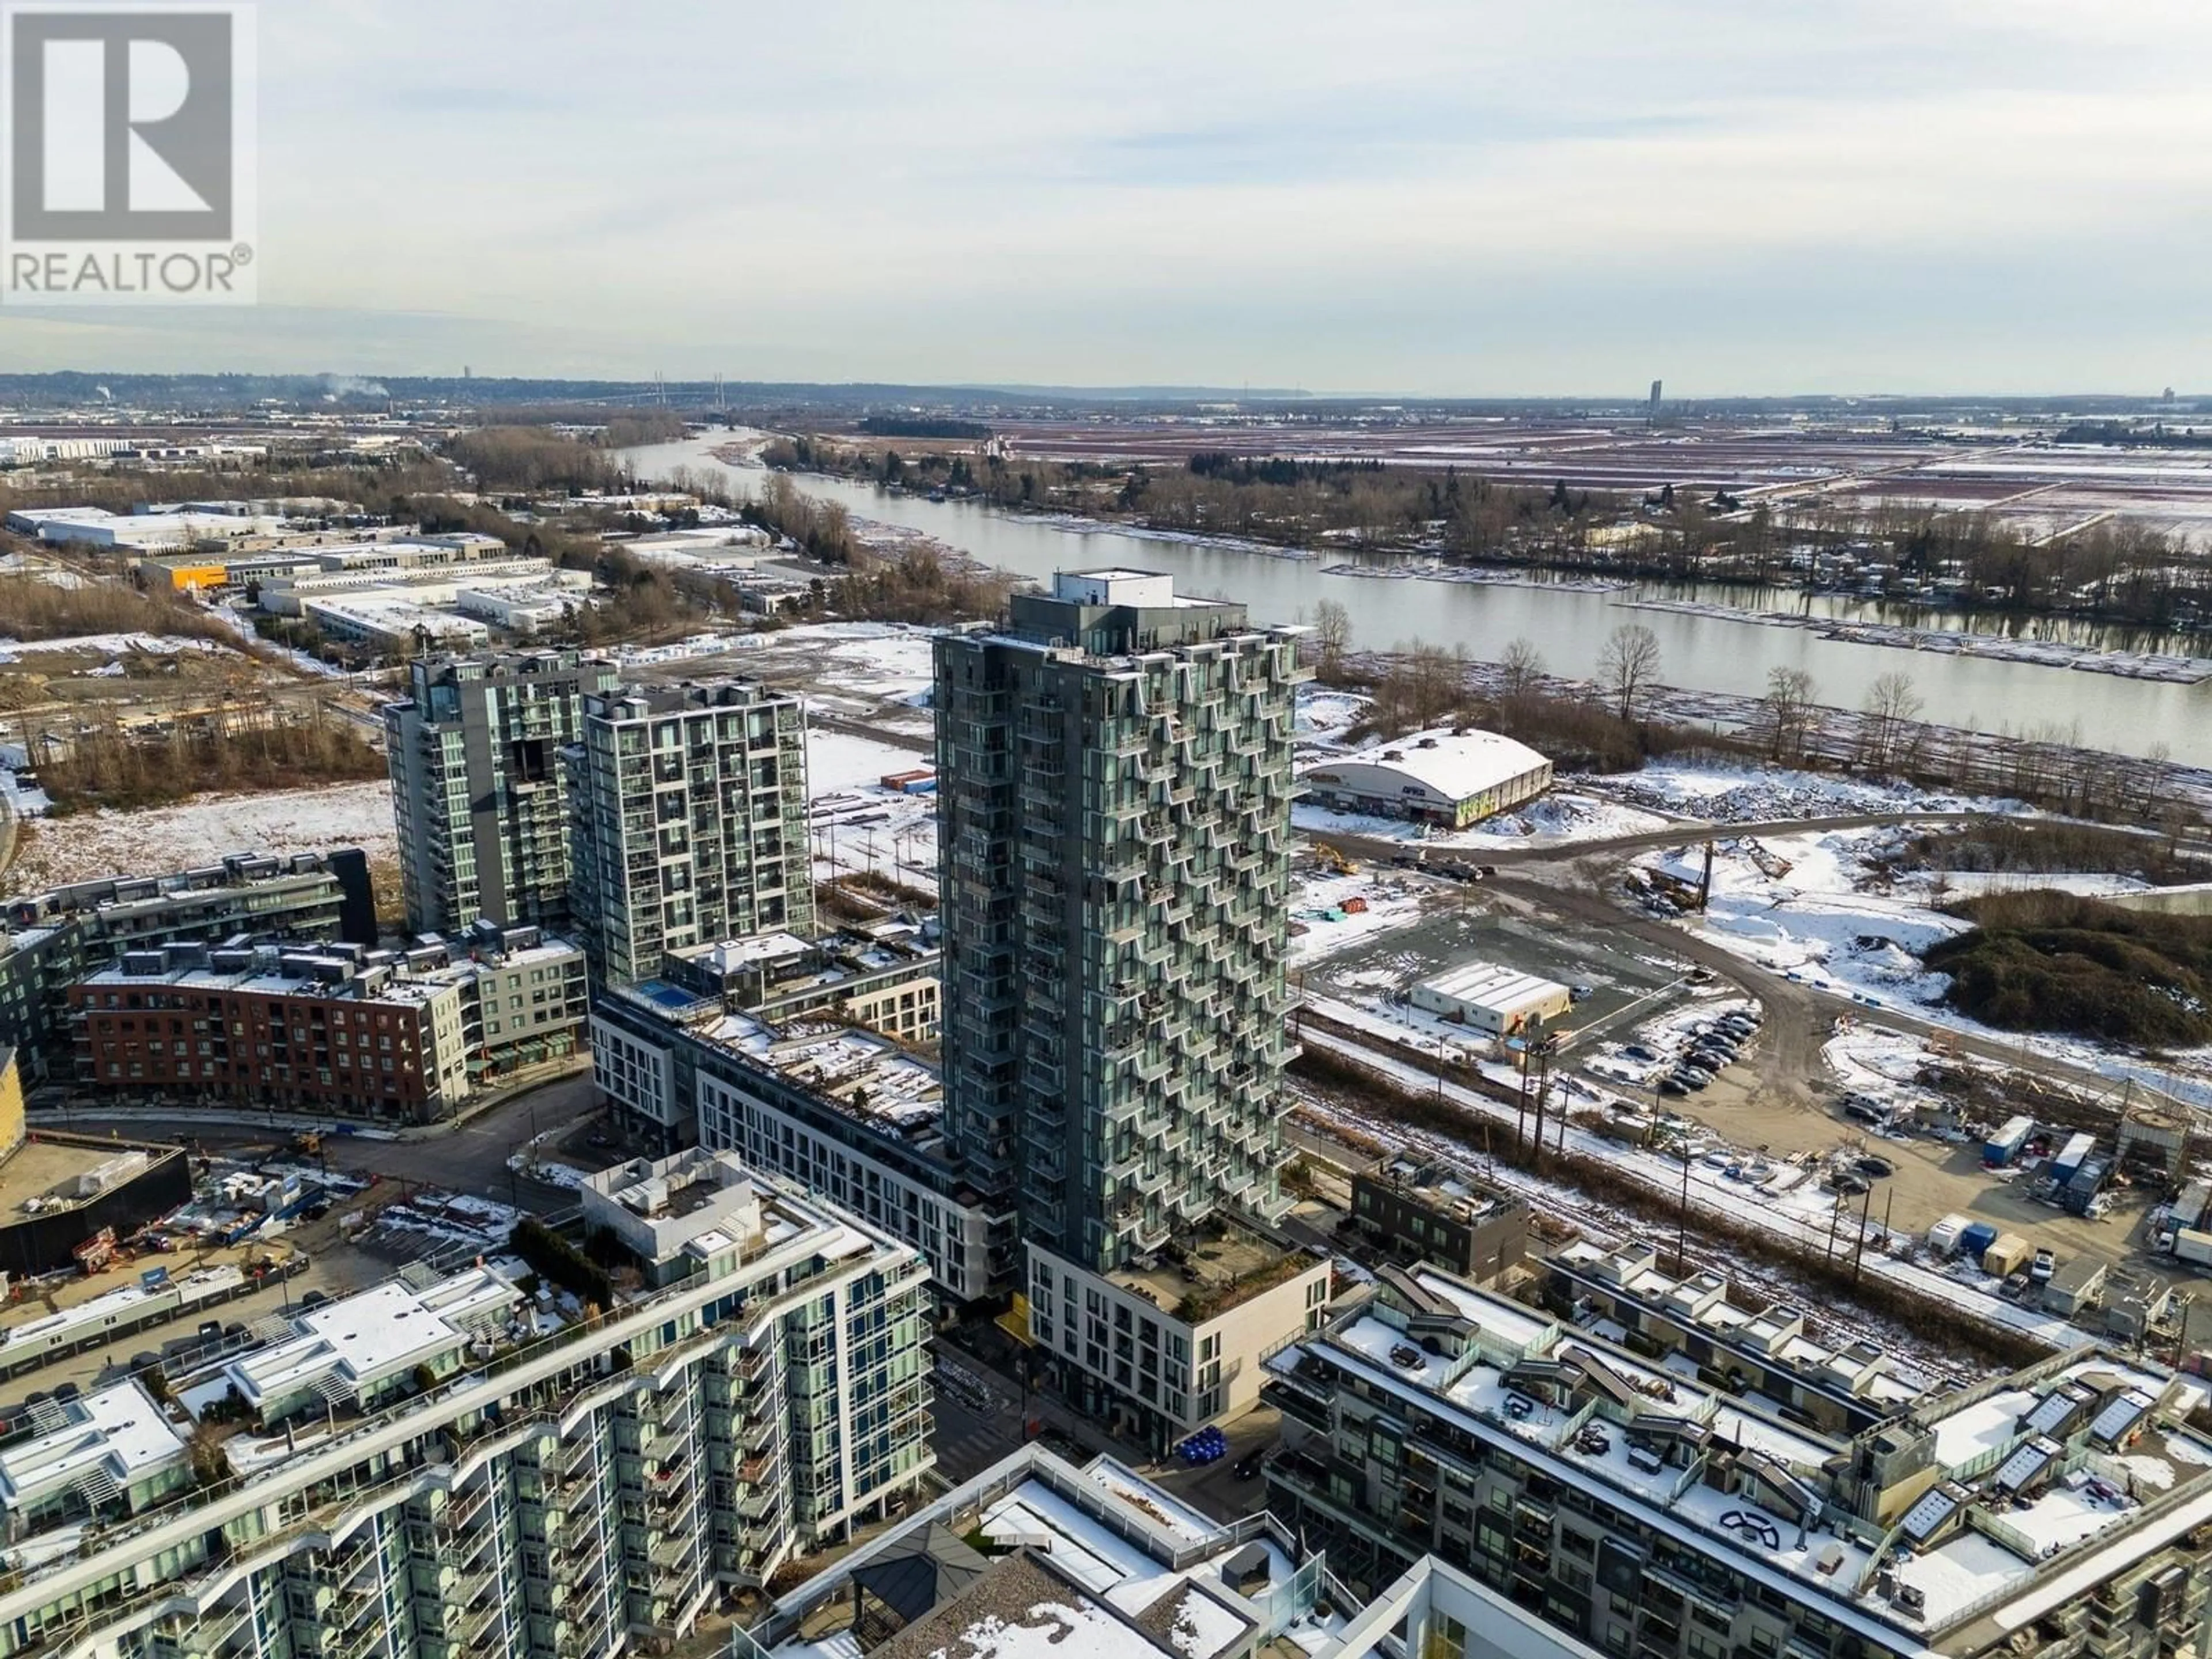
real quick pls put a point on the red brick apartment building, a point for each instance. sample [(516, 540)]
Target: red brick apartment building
[(321, 1029)]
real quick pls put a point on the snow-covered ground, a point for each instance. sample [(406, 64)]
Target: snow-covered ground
[(106, 645), (1821, 907), (199, 831), (1322, 713), (856, 823), (1558, 819), (1318, 905), (852, 668), (1826, 908), (1713, 793), (1803, 1216)]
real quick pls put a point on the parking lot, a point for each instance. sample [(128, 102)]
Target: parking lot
[(1626, 984)]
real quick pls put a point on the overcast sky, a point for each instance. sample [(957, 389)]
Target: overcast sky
[(1465, 197)]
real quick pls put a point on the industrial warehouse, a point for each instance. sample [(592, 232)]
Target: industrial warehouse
[(1450, 779)]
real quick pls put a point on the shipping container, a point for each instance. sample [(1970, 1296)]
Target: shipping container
[(2007, 1254), (1944, 1237), (1977, 1238), (2000, 1148), (2189, 1208), (2072, 1157), (2088, 1181), (2190, 1245)]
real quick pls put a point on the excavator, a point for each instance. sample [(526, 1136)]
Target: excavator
[(1336, 862)]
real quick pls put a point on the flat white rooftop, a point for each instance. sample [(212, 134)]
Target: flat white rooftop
[(374, 1335), (119, 1433), (1491, 985)]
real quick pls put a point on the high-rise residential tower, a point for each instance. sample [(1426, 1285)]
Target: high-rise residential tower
[(1113, 768), (476, 785), (687, 821)]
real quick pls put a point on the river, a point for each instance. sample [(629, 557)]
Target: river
[(1567, 624)]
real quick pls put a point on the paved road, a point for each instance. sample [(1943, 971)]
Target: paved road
[(1382, 851), (471, 1158)]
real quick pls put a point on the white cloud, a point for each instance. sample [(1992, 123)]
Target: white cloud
[(1431, 196)]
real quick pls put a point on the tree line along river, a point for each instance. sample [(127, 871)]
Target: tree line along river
[(1567, 623)]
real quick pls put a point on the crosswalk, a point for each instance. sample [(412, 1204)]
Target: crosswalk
[(968, 1441)]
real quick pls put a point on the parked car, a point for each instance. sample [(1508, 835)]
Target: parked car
[(1690, 1078), (2046, 1263), (1638, 1051), (1579, 993), (1849, 1185), (1673, 1085), (1876, 1167), (1706, 1061), (1247, 1465), (1861, 1112)]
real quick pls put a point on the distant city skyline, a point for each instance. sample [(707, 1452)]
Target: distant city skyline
[(1438, 199)]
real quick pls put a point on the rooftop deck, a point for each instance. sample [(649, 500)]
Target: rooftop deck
[(2077, 1454)]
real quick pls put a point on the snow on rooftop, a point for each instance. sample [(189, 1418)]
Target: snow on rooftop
[(372, 1335), (1490, 985), (1103, 1562), (1054, 1630), (1203, 1627), (1977, 1430), (118, 1431), (1454, 766), (731, 954), (1178, 1518)]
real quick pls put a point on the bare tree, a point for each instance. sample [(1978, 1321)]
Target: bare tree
[(1520, 670), (1892, 705), (1627, 667), (1789, 712), (2156, 775), (1332, 635)]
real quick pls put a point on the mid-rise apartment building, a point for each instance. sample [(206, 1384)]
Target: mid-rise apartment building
[(1113, 769), (408, 1035), (851, 1113), (477, 786), (2059, 1511), (1036, 1554), (1734, 1339), (1157, 1350), (687, 822), (1427, 1210), (429, 1472), (882, 975), (50, 940)]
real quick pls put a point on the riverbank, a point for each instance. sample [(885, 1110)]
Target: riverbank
[(2127, 665), (1721, 651), (1404, 568)]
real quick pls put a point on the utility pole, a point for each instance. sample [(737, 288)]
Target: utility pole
[(1682, 1217)]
